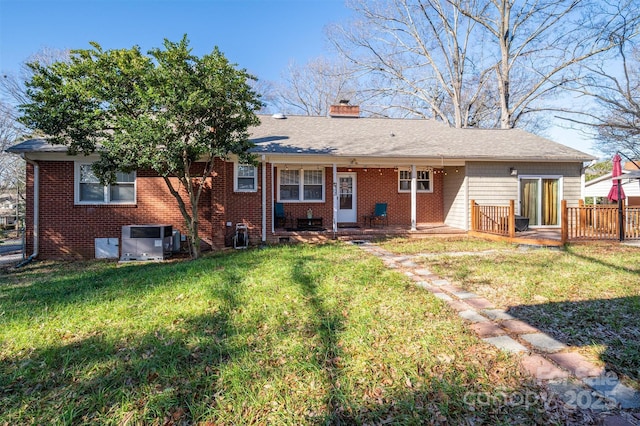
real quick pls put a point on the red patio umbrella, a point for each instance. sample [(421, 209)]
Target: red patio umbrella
[(616, 188)]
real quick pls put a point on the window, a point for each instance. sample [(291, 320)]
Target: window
[(246, 179), (301, 185), (423, 180), (313, 180), (540, 199), (89, 190)]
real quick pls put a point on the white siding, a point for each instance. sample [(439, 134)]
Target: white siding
[(600, 187), (455, 198), (492, 183)]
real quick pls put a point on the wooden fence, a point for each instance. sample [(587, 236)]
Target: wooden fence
[(602, 222), (593, 222)]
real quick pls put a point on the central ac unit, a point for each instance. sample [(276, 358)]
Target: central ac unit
[(146, 242)]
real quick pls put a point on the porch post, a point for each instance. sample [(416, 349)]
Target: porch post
[(273, 198), (512, 219), (414, 197), (564, 229), (474, 219), (264, 200), (334, 185)]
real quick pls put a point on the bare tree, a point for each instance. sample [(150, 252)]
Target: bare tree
[(12, 85), (545, 42), (416, 56), (12, 94), (310, 89), (614, 117), (487, 63), (11, 166)]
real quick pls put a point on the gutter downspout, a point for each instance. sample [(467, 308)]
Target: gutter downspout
[(414, 198), (264, 200), (36, 211), (336, 200)]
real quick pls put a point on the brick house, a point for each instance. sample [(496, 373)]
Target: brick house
[(337, 167)]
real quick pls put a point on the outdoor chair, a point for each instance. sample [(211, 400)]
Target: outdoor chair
[(379, 215), (281, 218)]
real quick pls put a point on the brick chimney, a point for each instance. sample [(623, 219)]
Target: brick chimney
[(343, 109)]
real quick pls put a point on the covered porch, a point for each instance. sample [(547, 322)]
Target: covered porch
[(347, 233), (335, 200)]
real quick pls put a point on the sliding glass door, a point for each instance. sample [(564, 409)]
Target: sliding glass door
[(540, 200)]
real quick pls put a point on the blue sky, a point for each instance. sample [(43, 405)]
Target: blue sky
[(262, 36), (259, 35)]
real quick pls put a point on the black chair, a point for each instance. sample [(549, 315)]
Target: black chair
[(280, 217)]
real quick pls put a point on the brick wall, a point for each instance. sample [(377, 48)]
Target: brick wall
[(373, 186), (381, 186), (241, 207), (68, 231)]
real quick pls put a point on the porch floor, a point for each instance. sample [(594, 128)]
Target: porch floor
[(541, 237), (357, 232)]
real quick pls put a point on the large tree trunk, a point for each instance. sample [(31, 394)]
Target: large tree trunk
[(504, 69), (191, 220), (195, 237)]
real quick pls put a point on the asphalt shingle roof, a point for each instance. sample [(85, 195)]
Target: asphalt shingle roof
[(383, 138), (36, 145)]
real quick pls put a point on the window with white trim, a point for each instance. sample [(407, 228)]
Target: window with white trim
[(89, 190), (301, 185), (246, 178), (423, 180)]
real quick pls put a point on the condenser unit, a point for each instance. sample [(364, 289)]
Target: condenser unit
[(146, 242)]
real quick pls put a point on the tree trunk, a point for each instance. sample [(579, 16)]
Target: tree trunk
[(195, 237), (190, 220), (504, 69)]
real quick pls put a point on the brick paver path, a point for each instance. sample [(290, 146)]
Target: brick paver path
[(549, 361)]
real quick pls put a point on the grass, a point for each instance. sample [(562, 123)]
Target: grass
[(284, 335), (438, 245), (587, 296)]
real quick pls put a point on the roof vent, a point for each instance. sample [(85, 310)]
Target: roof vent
[(279, 116)]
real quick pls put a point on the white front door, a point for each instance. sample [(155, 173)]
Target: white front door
[(347, 198)]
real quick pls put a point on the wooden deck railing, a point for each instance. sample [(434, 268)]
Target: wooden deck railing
[(600, 222), (632, 218), (593, 222), (499, 220)]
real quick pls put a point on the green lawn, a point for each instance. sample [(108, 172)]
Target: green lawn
[(283, 335), (587, 296)]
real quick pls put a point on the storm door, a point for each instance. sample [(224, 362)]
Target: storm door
[(347, 212)]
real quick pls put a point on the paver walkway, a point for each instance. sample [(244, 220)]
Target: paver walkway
[(572, 377)]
